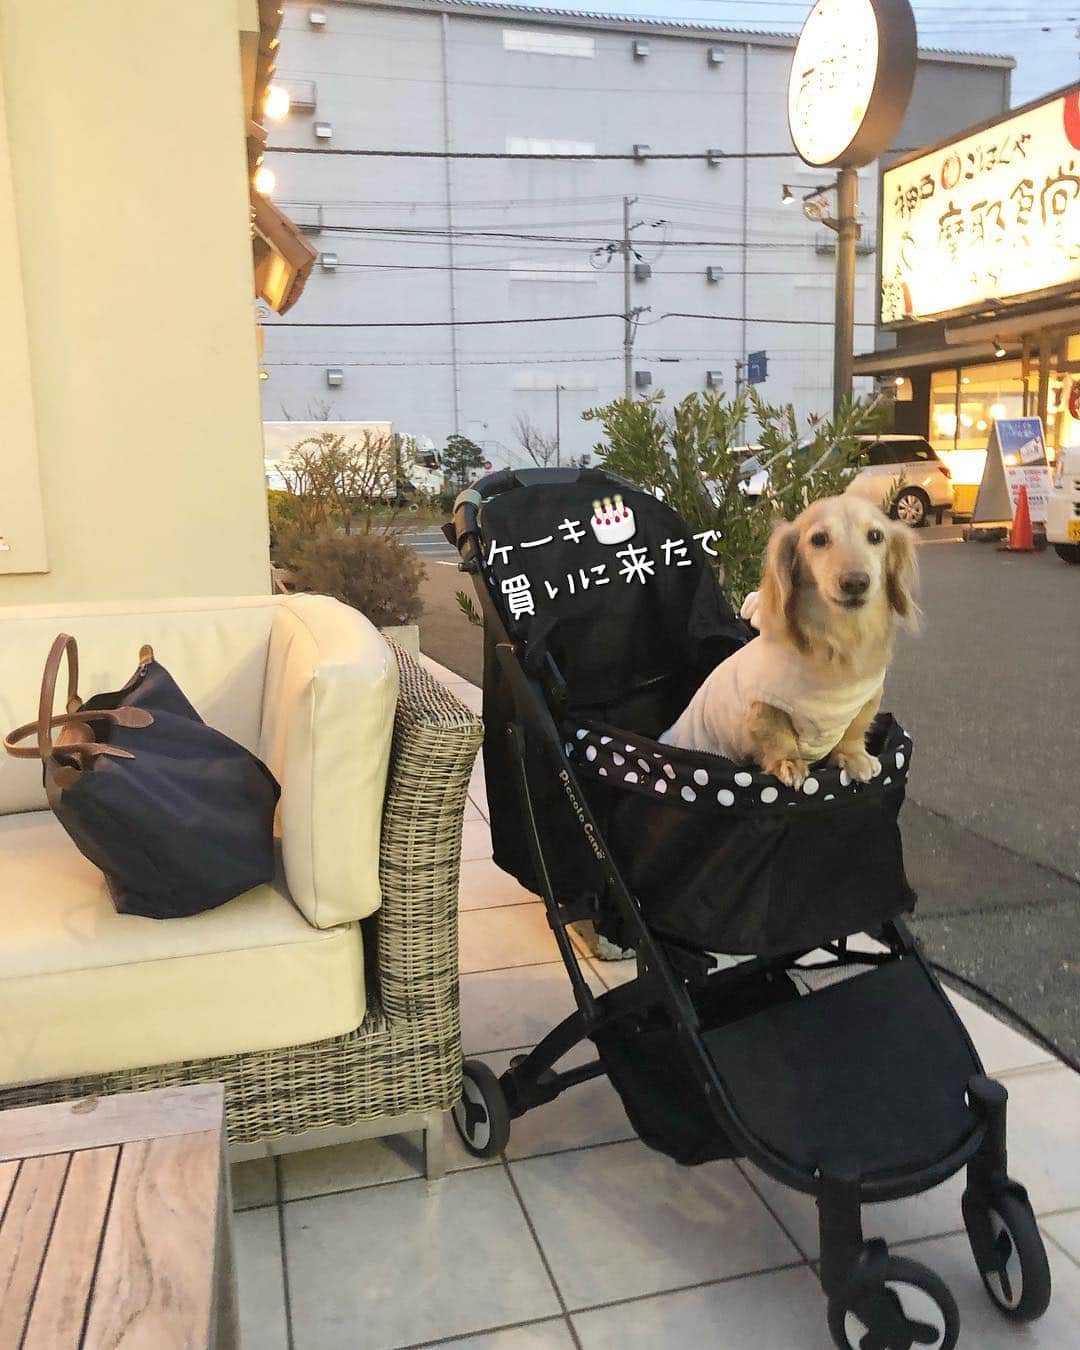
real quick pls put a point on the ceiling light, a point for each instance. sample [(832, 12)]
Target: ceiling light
[(264, 180)]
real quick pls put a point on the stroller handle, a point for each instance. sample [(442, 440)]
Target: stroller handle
[(469, 501)]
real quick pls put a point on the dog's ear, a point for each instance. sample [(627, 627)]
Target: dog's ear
[(779, 582), (901, 570)]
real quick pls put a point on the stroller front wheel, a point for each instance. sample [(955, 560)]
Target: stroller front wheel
[(1009, 1252), (905, 1306), (481, 1116)]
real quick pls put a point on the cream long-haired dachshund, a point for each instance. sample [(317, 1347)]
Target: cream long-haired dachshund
[(837, 582)]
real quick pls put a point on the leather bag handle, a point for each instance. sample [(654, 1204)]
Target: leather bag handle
[(63, 645)]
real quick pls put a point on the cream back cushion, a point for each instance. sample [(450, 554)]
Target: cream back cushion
[(328, 720), (215, 649)]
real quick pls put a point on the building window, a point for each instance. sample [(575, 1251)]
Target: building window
[(964, 404), (536, 145), (539, 43)]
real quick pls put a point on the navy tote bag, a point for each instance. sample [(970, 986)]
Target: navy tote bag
[(178, 816)]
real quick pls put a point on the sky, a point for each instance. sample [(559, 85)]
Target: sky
[(1045, 39)]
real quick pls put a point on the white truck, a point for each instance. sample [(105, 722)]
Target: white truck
[(1063, 506), (419, 460)]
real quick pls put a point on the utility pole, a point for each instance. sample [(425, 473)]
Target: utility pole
[(847, 234), (558, 436), (628, 318)]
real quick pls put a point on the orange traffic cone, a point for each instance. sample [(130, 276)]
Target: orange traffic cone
[(1021, 539)]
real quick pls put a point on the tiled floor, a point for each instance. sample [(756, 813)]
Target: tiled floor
[(583, 1237)]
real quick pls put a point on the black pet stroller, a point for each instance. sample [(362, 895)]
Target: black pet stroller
[(753, 1029)]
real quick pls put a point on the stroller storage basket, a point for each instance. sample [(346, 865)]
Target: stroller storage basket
[(728, 859)]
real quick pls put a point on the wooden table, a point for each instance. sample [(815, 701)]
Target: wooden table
[(115, 1224)]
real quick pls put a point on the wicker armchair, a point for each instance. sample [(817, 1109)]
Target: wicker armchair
[(401, 1069)]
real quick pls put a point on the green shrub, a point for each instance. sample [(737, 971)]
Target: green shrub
[(375, 573), (688, 458), (282, 508)]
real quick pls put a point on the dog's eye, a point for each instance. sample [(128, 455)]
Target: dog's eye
[(876, 536), (819, 539)]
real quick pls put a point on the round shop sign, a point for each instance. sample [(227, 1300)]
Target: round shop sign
[(851, 80)]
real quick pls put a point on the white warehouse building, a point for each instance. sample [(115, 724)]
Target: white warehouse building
[(422, 247)]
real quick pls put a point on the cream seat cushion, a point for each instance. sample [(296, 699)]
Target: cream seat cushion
[(86, 990)]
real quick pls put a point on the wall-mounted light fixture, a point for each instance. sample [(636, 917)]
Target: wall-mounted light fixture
[(714, 379), (335, 376), (317, 18), (328, 262), (787, 196), (264, 180), (641, 151), (714, 156), (713, 274), (999, 350), (323, 131), (641, 49), (276, 102), (716, 56)]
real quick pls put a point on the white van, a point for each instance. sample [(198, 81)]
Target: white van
[(1063, 507)]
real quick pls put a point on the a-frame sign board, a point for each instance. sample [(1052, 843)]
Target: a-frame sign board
[(1015, 458)]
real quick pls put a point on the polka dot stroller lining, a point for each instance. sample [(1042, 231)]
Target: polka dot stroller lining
[(706, 782), (725, 858)]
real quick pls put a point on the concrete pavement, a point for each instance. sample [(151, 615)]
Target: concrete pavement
[(989, 690)]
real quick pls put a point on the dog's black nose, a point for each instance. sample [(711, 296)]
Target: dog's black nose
[(855, 583)]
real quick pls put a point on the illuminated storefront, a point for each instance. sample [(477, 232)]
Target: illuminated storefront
[(979, 283)]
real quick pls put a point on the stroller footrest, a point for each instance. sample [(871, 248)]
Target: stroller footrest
[(872, 1071)]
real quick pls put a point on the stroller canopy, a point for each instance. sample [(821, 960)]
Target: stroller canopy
[(611, 582)]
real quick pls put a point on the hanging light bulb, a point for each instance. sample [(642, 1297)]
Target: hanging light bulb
[(264, 180), (276, 102)]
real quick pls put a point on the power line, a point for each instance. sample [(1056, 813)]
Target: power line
[(555, 272), (507, 154), (405, 234), (555, 318), (447, 323)]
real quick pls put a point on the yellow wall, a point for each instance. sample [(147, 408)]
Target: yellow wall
[(125, 127)]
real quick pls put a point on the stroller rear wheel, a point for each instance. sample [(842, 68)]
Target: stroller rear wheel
[(481, 1116), (905, 1307), (1008, 1249)]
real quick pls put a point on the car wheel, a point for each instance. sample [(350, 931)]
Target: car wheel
[(1069, 553), (910, 507)]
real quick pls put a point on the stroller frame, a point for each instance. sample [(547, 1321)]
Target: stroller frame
[(852, 1269)]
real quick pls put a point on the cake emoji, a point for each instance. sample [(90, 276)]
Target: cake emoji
[(612, 521)]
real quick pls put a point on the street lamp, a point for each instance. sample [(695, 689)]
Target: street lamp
[(850, 84)]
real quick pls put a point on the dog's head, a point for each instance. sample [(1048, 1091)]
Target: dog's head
[(842, 555)]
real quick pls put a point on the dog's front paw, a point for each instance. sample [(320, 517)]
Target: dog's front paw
[(791, 772), (860, 764)]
